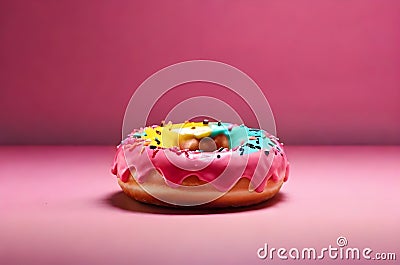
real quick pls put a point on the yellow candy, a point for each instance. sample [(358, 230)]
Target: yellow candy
[(171, 134), (152, 134), (194, 132)]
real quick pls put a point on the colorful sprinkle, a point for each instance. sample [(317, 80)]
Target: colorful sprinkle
[(155, 152)]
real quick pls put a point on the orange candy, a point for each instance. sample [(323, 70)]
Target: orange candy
[(192, 144), (221, 141)]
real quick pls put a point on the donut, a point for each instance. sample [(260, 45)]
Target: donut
[(200, 164)]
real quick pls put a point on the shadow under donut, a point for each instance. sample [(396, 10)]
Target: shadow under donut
[(121, 201)]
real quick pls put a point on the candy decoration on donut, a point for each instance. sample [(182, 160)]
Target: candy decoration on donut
[(168, 156)]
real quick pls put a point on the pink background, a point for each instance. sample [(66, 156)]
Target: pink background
[(330, 69)]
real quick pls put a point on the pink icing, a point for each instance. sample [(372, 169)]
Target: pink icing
[(222, 172)]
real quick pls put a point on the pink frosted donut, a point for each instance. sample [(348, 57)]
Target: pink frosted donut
[(202, 164)]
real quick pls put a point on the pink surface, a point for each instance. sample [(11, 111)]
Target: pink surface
[(329, 68), (61, 205)]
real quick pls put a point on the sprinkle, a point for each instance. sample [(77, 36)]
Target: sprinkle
[(141, 150), (218, 156), (250, 145), (219, 123), (205, 121), (271, 144), (220, 150), (153, 147), (157, 141), (252, 138), (258, 147), (154, 153), (193, 128), (130, 147), (162, 123), (242, 151), (274, 142), (158, 132), (266, 152)]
